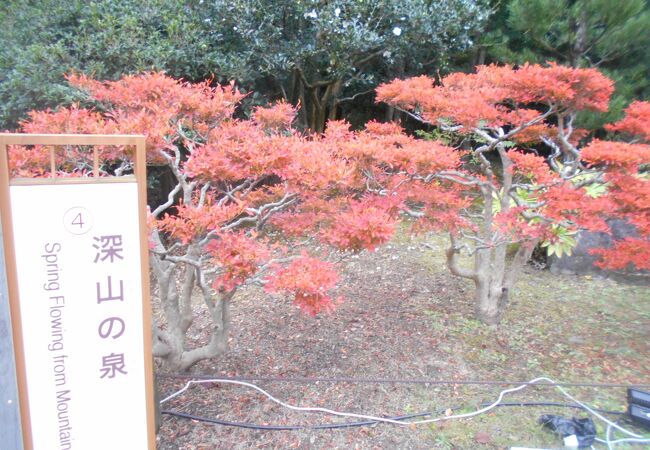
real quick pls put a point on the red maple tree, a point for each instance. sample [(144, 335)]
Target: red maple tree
[(235, 180), (506, 193)]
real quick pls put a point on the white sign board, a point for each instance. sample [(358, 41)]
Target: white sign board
[(79, 282)]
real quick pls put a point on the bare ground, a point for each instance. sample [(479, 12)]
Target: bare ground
[(405, 317)]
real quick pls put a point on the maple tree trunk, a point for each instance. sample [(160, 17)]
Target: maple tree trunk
[(176, 300), (495, 277), (217, 345), (492, 276), (491, 294), (490, 302), (173, 351)]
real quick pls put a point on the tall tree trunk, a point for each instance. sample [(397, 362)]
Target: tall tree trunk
[(578, 49), (479, 55), (302, 111), (335, 93), (318, 114), (325, 105), (294, 89), (392, 114), (320, 117), (317, 104)]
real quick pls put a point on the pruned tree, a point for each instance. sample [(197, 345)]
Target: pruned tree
[(507, 194), (233, 179), (237, 179)]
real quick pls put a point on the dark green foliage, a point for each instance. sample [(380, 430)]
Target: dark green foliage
[(610, 35), (44, 39), (311, 52), (319, 53), (28, 64)]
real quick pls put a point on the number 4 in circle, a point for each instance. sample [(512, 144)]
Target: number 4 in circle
[(78, 220)]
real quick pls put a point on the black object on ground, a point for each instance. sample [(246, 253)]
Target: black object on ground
[(638, 407), (583, 429)]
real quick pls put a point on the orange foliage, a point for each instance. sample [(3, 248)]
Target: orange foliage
[(309, 279), (34, 161), (154, 104), (275, 118), (190, 223), (239, 257), (616, 154), (489, 95), (534, 168), (627, 251), (364, 225), (565, 203), (576, 89), (501, 105), (237, 150), (636, 121)]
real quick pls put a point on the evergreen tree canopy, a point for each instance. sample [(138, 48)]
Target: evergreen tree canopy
[(611, 36)]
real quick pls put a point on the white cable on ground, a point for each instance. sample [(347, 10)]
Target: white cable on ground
[(347, 414), (595, 413), (611, 443), (638, 438), (608, 441), (626, 440)]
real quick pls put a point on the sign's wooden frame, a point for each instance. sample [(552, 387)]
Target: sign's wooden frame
[(6, 181)]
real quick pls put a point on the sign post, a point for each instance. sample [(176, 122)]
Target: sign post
[(79, 294), (10, 430)]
